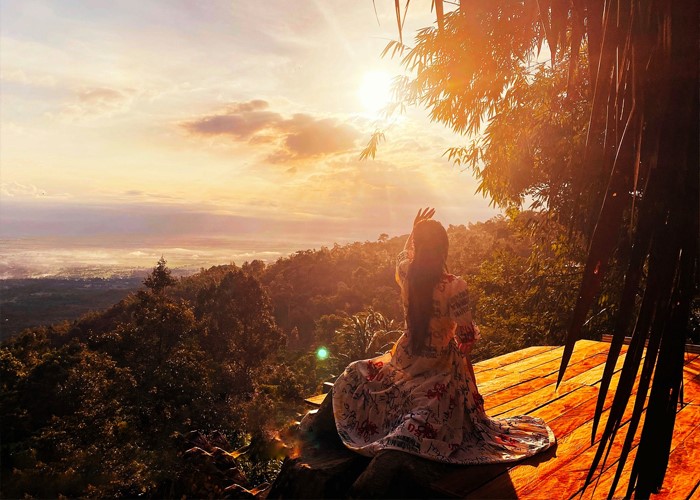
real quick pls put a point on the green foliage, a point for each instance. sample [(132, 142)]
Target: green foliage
[(232, 350), (160, 277), (342, 280), (525, 289), (533, 148), (366, 335), (525, 121), (93, 408), (463, 68), (238, 321)]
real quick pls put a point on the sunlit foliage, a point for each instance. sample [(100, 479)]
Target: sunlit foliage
[(230, 353)]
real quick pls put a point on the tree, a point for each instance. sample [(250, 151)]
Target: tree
[(239, 325), (640, 210), (160, 277)]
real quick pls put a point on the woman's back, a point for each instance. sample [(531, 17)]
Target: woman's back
[(421, 397), (451, 316)]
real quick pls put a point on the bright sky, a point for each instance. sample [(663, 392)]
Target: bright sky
[(207, 131)]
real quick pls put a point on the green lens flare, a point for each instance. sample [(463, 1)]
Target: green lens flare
[(322, 353)]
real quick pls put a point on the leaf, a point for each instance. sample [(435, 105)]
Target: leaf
[(398, 20), (371, 149)]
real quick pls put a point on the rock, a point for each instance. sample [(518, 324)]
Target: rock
[(396, 474), (324, 467), (324, 476)]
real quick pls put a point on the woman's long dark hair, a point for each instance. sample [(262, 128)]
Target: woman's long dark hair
[(424, 273)]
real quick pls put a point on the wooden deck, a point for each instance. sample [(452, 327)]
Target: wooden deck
[(523, 382)]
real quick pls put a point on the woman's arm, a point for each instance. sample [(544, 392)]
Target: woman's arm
[(423, 214)]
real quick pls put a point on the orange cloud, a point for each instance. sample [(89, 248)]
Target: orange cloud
[(93, 102), (240, 120), (101, 95), (301, 136), (307, 136)]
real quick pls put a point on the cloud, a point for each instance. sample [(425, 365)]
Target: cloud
[(298, 137), (241, 120), (97, 101), (307, 136), (29, 78), (141, 195), (18, 190), (101, 95), (15, 189), (250, 106)]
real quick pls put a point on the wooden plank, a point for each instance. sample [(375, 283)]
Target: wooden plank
[(533, 399), (523, 383), (682, 473), (595, 375), (690, 348), (600, 487), (577, 377), (518, 390), (691, 390), (570, 474), (535, 469), (465, 480), (316, 400), (488, 375), (690, 357), (511, 357), (691, 369), (546, 364), (569, 411), (686, 425), (572, 467), (573, 431)]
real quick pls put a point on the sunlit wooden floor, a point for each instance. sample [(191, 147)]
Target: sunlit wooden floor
[(523, 382)]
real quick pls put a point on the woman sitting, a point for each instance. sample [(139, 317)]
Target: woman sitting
[(421, 397)]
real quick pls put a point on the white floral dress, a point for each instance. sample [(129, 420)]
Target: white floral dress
[(428, 405)]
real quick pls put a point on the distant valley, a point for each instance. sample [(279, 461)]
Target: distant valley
[(25, 303)]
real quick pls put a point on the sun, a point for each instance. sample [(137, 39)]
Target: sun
[(375, 91)]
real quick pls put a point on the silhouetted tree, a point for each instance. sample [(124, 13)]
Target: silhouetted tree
[(160, 277)]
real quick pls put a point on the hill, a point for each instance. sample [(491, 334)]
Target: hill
[(154, 394)]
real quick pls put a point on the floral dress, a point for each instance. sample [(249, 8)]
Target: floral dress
[(428, 404)]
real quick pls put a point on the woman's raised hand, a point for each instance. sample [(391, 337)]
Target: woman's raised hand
[(423, 214)]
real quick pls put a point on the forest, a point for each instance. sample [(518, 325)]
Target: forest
[(110, 404), (191, 386)]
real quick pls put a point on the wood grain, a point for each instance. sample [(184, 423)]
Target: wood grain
[(524, 382)]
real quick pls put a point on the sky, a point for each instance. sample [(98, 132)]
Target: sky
[(208, 132)]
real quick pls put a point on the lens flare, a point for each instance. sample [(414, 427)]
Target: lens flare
[(322, 353)]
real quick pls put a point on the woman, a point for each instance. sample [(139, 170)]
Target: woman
[(422, 397)]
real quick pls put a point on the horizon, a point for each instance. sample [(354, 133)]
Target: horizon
[(220, 131), (23, 260)]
